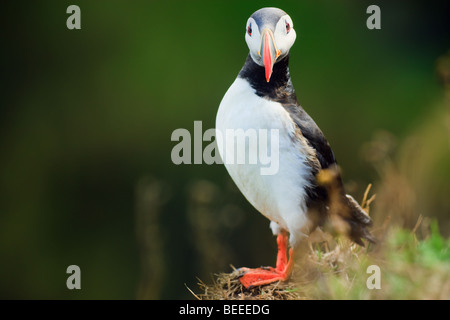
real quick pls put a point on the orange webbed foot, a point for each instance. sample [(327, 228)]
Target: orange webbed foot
[(265, 275)]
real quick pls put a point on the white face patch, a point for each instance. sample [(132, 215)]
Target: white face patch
[(284, 35), (253, 40)]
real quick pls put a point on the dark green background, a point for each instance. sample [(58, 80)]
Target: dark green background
[(87, 115)]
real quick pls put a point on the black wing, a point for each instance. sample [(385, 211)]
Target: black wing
[(349, 209), (313, 134)]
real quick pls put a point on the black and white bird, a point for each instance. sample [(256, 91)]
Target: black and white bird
[(263, 97)]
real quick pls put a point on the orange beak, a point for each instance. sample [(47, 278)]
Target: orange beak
[(270, 53)]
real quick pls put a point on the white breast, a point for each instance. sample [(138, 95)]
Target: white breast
[(281, 196)]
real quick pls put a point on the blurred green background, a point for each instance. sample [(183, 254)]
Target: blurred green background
[(86, 176)]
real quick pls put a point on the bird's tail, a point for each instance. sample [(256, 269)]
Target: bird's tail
[(358, 221), (345, 214)]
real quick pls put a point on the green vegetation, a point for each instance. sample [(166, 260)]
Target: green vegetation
[(410, 269)]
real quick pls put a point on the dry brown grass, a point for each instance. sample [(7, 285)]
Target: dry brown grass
[(320, 261), (226, 286)]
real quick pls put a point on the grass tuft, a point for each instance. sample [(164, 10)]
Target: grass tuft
[(337, 269)]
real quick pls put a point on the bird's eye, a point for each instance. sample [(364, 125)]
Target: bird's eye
[(249, 29), (288, 27)]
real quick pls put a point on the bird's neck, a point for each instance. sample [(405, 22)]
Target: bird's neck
[(279, 88)]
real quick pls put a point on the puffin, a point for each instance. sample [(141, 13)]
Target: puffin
[(306, 191)]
